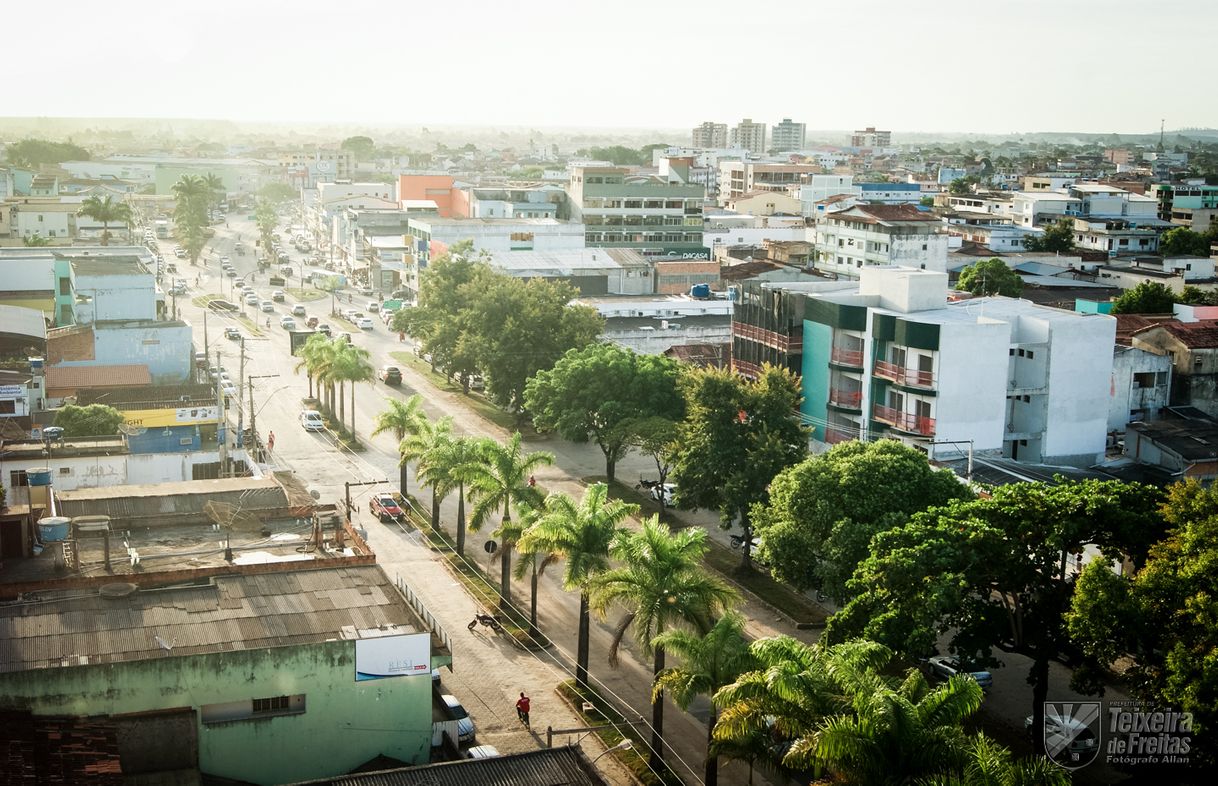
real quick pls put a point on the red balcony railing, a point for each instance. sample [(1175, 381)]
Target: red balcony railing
[(847, 357), (846, 398), (836, 435), (904, 376), (905, 421)]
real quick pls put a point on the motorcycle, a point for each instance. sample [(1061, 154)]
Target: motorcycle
[(738, 540), (487, 620), (644, 483)]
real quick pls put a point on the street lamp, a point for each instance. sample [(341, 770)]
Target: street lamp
[(624, 745)]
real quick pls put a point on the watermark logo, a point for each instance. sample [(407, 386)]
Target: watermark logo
[(1072, 733), (1140, 736)]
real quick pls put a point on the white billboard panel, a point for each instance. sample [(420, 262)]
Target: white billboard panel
[(392, 656)]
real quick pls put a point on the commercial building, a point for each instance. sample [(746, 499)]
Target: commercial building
[(710, 134), (307, 168), (41, 278), (817, 188), (737, 178), (540, 202), (593, 271), (653, 324), (871, 138), (658, 215), (441, 189), (787, 135), (849, 240), (748, 135)]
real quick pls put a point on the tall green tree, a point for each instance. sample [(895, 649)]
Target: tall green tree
[(33, 153), (362, 147), (191, 197), (987, 763), (1184, 242), (1058, 237), (422, 446), (353, 366), (500, 482), (662, 585), (266, 219), (1148, 297), (309, 354), (991, 277), (579, 535), (823, 512), (708, 662), (399, 419), (107, 211), (995, 570), (737, 435), (656, 437), (453, 464), (217, 191), (591, 393), (92, 420)]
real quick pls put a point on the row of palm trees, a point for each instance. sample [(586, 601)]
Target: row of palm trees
[(195, 196), (331, 363)]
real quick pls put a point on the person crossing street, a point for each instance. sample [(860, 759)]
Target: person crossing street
[(522, 709)]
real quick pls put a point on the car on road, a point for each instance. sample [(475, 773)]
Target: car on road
[(311, 322), (298, 310), (465, 724), (385, 507), (324, 329), (365, 323), (311, 420), (217, 304), (180, 253), (373, 307), (287, 323), (232, 333), (476, 382), (390, 375), (228, 388), (267, 306), (225, 260), (278, 296), (251, 299), (231, 273), (944, 667), (171, 268)]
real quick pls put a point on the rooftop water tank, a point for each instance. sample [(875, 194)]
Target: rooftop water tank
[(39, 476), (53, 528)]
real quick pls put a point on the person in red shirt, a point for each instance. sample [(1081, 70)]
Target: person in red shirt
[(522, 709)]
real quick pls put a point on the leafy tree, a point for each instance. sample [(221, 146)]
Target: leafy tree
[(986, 763), (361, 147), (656, 436), (266, 219), (422, 446), (353, 366), (453, 465), (216, 189), (736, 436), (993, 570), (1195, 296), (823, 512), (1184, 242), (33, 153), (93, 420), (963, 185), (1058, 237), (399, 418), (1162, 615), (1148, 297), (580, 534), (107, 211), (277, 193), (991, 277), (592, 392), (708, 662), (927, 201), (618, 155), (662, 585), (500, 481), (192, 198), (36, 241)]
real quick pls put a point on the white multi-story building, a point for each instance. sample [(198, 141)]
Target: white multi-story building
[(788, 135), (710, 134), (820, 187), (866, 235), (749, 135), (893, 357), (743, 177)]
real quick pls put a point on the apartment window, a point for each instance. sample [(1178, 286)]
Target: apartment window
[(65, 286), (1031, 354), (253, 709), (17, 477), (8, 407), (65, 470)]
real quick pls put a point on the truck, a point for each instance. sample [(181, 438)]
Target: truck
[(277, 281)]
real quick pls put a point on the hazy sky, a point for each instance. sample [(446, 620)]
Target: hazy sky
[(934, 65)]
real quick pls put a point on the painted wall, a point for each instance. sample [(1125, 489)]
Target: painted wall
[(81, 472), (437, 188), (165, 347), (971, 377), (344, 723), (818, 342), (1079, 378), (1141, 383)]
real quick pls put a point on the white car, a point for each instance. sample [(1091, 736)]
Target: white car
[(365, 323), (251, 299), (465, 724), (225, 260), (287, 323), (298, 310), (267, 306), (228, 387), (311, 420)]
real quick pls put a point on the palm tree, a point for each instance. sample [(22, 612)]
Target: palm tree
[(324, 361), (661, 583), (581, 535), (310, 355), (400, 418), (990, 764), (497, 482), (708, 663), (453, 464), (421, 445), (107, 211), (510, 532), (190, 214), (353, 366), (215, 188)]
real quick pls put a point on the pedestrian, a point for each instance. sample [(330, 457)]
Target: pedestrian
[(532, 481), (522, 709), (270, 441), (401, 337)]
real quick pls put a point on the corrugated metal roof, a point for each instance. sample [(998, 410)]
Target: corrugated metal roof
[(127, 503), (567, 766), (235, 612), (71, 377)]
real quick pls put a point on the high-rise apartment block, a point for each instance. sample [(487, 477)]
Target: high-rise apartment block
[(749, 135), (787, 135), (710, 134), (869, 137)]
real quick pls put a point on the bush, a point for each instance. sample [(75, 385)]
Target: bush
[(94, 420)]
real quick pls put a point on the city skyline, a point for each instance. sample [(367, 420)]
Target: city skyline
[(249, 62)]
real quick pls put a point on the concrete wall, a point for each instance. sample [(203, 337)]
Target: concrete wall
[(655, 342), (1079, 376), (164, 347), (971, 382), (1130, 393), (345, 723), (121, 469), (115, 297)]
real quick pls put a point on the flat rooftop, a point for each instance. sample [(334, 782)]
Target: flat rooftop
[(566, 262), (123, 623)]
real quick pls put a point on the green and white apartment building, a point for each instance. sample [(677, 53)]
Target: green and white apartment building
[(890, 355), (659, 215)]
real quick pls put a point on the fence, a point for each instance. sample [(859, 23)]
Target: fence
[(432, 623)]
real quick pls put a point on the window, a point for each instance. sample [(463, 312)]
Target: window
[(65, 286), (272, 704), (1031, 354), (65, 470), (17, 477), (253, 709)]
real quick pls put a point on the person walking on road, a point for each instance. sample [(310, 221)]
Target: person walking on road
[(270, 442), (522, 709)]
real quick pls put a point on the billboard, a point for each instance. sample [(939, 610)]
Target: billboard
[(392, 656), (184, 416)]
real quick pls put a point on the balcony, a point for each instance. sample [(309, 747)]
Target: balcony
[(846, 357), (904, 421), (836, 435), (901, 375), (851, 399)]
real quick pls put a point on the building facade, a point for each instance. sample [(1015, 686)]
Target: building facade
[(865, 235), (749, 135), (658, 215), (871, 138), (787, 135), (710, 134)]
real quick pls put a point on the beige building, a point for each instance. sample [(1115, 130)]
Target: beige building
[(737, 178), (765, 203), (749, 135), (710, 134)]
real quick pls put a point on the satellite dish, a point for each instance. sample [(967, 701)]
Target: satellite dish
[(131, 429)]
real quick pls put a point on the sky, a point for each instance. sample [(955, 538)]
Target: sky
[(985, 66)]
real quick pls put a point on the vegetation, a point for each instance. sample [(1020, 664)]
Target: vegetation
[(1148, 297), (594, 392), (107, 211), (620, 155), (991, 277), (190, 214), (1184, 242), (362, 147), (738, 434), (93, 420), (266, 219), (963, 185), (452, 466), (333, 362), (1195, 296), (36, 241), (33, 153), (277, 193), (655, 436), (422, 446), (1058, 237)]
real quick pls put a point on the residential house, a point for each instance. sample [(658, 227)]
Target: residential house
[(737, 178), (1193, 350), (766, 203), (849, 240)]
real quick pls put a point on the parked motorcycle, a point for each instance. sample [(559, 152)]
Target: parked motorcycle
[(487, 620)]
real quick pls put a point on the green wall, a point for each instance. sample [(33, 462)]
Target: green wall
[(344, 724), (818, 343)]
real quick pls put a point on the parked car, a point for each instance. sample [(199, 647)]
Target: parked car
[(482, 752), (232, 333), (365, 323), (267, 306), (944, 667), (384, 507), (311, 420), (390, 375), (278, 296), (287, 323), (476, 382), (465, 724), (298, 310), (1082, 739), (180, 253)]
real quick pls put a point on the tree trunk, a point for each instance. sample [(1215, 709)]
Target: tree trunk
[(534, 632), (610, 467), (342, 410), (310, 378), (105, 233), (353, 409), (656, 761), (435, 508), (505, 562), (581, 649), (461, 519), (711, 776), (1039, 678), (403, 476)]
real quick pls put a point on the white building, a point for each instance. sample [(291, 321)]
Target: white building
[(851, 239), (894, 358), (1141, 386), (744, 177), (710, 134), (788, 135), (650, 325), (1032, 209), (818, 188), (749, 135), (499, 234), (593, 271)]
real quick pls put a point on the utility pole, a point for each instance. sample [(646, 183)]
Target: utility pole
[(206, 351), (253, 412), (348, 486), (240, 386), (222, 431)]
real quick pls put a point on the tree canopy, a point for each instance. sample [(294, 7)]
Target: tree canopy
[(1148, 297), (33, 153), (361, 147), (824, 511), (991, 277), (592, 392), (278, 193), (1058, 237), (93, 420), (1184, 242)]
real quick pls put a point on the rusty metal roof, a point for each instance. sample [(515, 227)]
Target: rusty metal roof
[(563, 765), (182, 498)]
